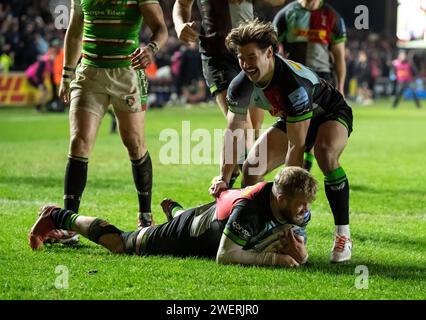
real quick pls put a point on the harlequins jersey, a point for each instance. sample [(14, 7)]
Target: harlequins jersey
[(295, 93), (307, 35)]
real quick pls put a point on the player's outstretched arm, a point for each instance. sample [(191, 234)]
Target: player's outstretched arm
[(233, 147), (296, 133), (231, 253)]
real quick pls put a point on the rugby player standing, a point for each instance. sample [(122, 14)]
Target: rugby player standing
[(313, 33), (106, 34)]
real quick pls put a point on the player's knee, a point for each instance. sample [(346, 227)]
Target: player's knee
[(79, 145), (326, 156), (135, 146)]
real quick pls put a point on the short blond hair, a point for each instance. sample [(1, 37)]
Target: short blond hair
[(295, 180), (261, 33)]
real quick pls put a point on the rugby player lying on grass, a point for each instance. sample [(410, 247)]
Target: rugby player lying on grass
[(258, 225)]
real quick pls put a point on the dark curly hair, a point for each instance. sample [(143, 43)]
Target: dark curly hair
[(262, 33)]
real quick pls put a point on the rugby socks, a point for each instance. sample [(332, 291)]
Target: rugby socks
[(64, 219), (142, 176), (75, 182), (176, 209), (308, 161), (343, 230), (337, 192)]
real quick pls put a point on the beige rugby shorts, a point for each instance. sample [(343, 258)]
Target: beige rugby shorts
[(94, 89)]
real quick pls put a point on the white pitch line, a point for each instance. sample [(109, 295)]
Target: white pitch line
[(15, 201)]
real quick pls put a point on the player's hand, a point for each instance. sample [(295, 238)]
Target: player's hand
[(293, 245), (286, 260), (217, 187), (141, 58), (187, 32), (64, 91)]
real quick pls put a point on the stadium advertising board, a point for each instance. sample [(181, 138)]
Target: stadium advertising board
[(15, 90)]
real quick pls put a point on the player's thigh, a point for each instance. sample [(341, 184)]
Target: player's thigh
[(88, 90), (268, 153)]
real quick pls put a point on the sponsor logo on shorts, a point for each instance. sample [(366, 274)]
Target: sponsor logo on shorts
[(130, 101)]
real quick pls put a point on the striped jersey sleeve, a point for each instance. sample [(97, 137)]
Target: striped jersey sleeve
[(338, 34)]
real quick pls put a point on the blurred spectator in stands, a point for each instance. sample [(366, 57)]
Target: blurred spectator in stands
[(113, 127), (151, 71), (38, 73), (58, 61), (350, 74), (160, 78), (27, 26), (405, 76), (175, 66), (6, 58), (375, 72), (363, 76), (194, 89)]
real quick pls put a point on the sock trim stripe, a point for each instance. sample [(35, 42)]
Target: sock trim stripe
[(144, 193), (71, 197), (336, 182), (336, 174), (175, 209), (138, 162), (70, 221), (77, 158)]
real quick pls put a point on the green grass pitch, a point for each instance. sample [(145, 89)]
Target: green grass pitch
[(384, 160)]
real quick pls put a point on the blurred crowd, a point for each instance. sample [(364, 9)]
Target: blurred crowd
[(28, 35), (370, 61), (26, 32)]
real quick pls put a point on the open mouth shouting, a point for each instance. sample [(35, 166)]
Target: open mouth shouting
[(251, 72)]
